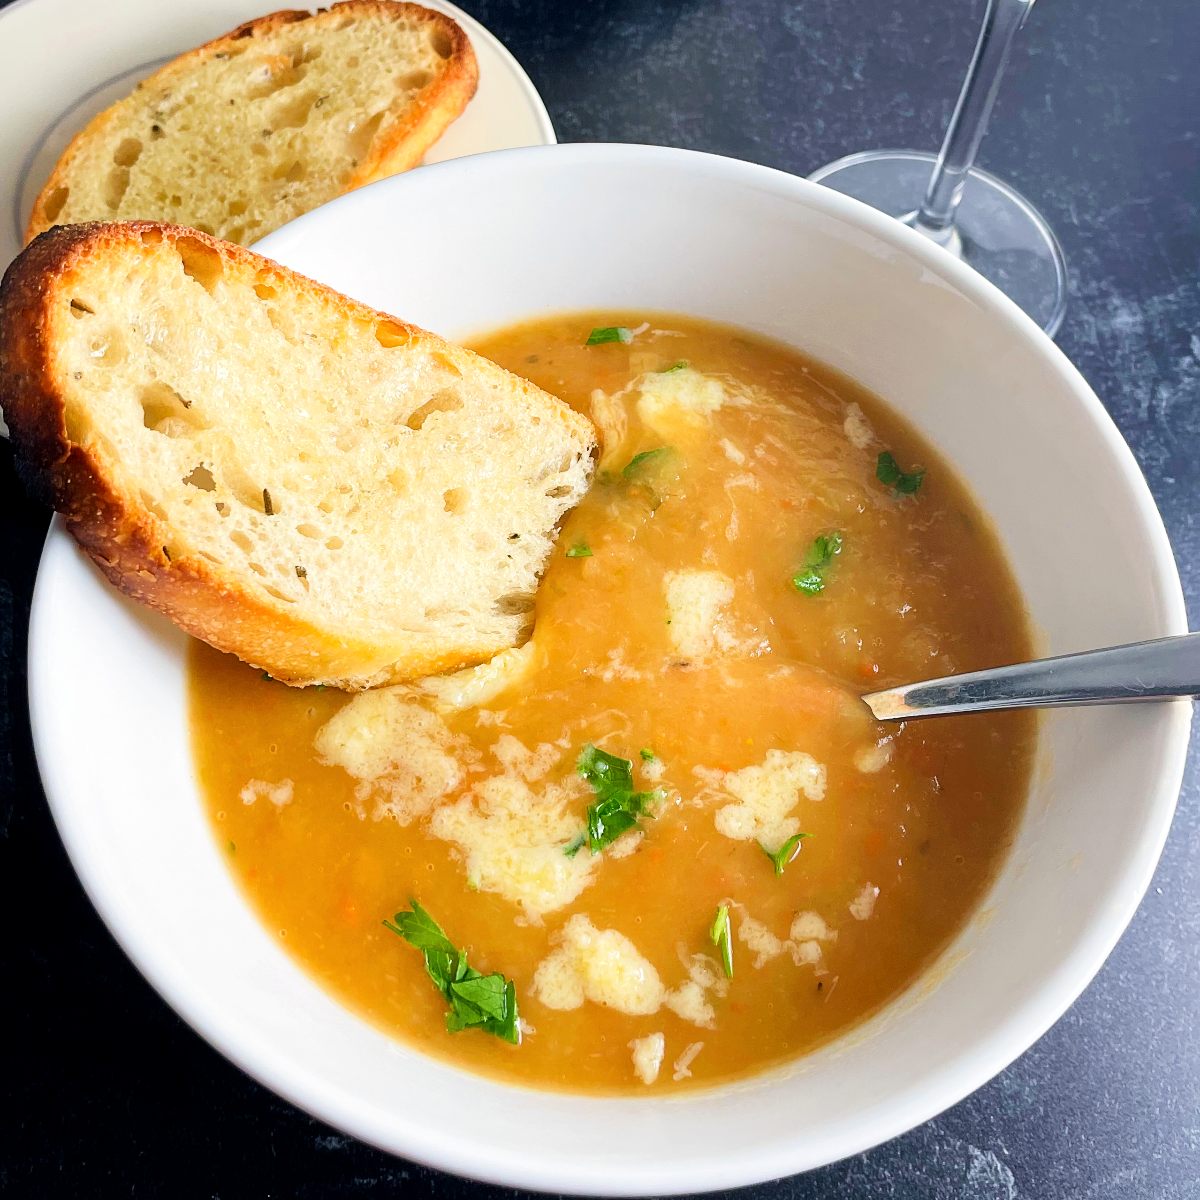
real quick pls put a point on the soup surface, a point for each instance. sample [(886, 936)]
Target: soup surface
[(749, 560)]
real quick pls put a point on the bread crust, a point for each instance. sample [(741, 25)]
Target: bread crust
[(406, 142), (127, 541)]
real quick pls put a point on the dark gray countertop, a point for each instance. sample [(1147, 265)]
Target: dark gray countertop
[(108, 1093)]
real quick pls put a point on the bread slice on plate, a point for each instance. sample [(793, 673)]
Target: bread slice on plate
[(331, 494), (283, 114)]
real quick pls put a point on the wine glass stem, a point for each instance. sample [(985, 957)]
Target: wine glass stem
[(1003, 18)]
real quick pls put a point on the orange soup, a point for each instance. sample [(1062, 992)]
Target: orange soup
[(663, 844)]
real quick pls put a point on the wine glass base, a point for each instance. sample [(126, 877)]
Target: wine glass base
[(996, 231)]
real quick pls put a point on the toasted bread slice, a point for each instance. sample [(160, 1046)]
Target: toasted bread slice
[(283, 114), (331, 494)]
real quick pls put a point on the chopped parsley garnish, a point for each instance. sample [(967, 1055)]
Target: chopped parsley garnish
[(617, 808), (784, 855), (580, 550), (609, 333), (266, 677), (887, 470), (821, 553), (678, 366), (477, 1001), (647, 754), (639, 461), (721, 934)]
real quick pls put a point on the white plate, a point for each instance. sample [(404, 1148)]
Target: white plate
[(63, 61), (585, 227)]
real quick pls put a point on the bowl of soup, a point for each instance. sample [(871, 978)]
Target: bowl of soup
[(650, 903)]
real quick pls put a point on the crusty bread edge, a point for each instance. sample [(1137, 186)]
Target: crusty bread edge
[(440, 103), (126, 541), (403, 148)]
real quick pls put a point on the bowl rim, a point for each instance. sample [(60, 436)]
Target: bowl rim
[(943, 1087)]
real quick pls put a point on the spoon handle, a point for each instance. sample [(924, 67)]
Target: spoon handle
[(1163, 669)]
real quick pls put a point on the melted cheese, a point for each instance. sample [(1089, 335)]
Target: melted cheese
[(690, 999), (612, 423), (600, 965), (653, 769), (480, 685), (732, 453), (759, 940), (403, 755), (675, 402), (766, 795), (279, 794), (810, 925), (512, 839), (517, 759), (863, 905), (697, 622), (648, 1054), (682, 1066), (872, 759), (808, 930), (689, 1002), (857, 428)]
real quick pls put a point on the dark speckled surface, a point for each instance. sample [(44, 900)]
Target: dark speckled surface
[(108, 1093)]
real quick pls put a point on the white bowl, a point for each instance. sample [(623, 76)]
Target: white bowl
[(474, 244)]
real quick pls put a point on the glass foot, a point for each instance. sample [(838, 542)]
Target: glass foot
[(997, 231)]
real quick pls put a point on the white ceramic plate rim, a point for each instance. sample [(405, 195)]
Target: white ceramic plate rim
[(404, 1134)]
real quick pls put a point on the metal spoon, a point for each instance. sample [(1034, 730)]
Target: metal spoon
[(1162, 669)]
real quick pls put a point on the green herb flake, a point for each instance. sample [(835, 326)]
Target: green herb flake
[(477, 1001), (580, 550), (639, 461), (887, 471), (647, 754), (609, 333), (825, 548), (576, 844), (266, 676), (681, 365), (618, 807), (784, 855), (721, 936)]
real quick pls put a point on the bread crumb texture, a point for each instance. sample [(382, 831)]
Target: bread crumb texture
[(366, 502), (249, 131)]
